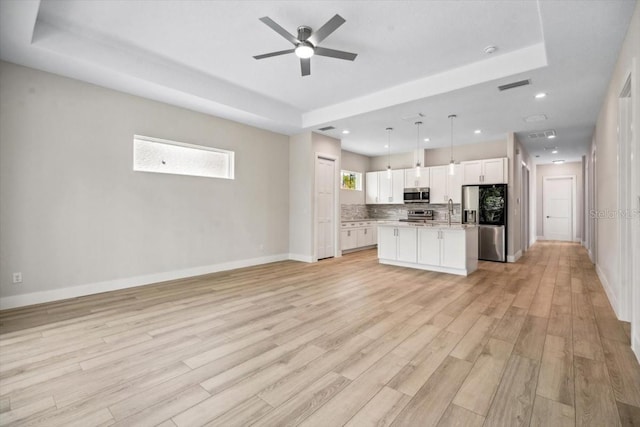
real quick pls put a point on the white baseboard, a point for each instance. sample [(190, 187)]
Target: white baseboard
[(129, 282), (613, 300), (590, 255), (301, 258), (514, 258), (540, 238)]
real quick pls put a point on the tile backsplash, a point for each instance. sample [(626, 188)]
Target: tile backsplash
[(394, 212)]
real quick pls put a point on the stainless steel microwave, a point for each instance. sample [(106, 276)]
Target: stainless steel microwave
[(416, 195)]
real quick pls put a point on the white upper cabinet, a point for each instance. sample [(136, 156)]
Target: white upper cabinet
[(371, 188), (382, 189), (488, 171), (438, 187), (412, 180), (454, 185)]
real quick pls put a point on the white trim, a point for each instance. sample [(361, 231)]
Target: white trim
[(635, 346), (336, 204), (514, 258), (130, 282), (613, 299), (590, 252), (540, 238), (301, 258)]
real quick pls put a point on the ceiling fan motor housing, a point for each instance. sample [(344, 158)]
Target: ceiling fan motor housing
[(303, 33)]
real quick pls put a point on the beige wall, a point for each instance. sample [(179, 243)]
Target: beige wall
[(607, 241), (73, 213), (442, 156), (300, 197), (355, 163), (571, 168)]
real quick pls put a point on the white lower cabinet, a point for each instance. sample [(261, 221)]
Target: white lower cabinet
[(397, 243), (359, 234), (448, 250), (443, 248)]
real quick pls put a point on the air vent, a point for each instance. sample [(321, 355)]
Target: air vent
[(547, 134), (535, 118), (326, 128), (514, 85)]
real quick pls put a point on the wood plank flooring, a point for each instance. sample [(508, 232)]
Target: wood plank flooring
[(345, 341)]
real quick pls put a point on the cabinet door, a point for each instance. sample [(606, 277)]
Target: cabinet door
[(454, 252), (411, 178), (471, 172), (407, 244), (428, 246), (438, 187), (494, 171), (364, 237), (387, 243), (385, 187), (397, 186), (374, 234), (371, 188), (348, 239), (454, 185)]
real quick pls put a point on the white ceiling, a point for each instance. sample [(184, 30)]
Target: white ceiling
[(413, 56)]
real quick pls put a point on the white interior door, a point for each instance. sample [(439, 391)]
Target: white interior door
[(557, 206), (325, 199)]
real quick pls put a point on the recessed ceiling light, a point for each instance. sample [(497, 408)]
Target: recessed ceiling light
[(535, 118), (551, 136), (540, 95), (346, 132), (558, 162), (427, 140), (477, 131), (554, 152), (490, 49), (386, 145)]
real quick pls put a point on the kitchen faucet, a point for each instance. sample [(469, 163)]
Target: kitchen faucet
[(450, 207)]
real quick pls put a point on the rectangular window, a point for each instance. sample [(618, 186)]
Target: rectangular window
[(351, 180), (178, 158)]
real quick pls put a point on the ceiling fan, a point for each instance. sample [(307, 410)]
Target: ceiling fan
[(306, 45)]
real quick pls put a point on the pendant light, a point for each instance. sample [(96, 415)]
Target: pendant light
[(389, 153), (418, 150), (452, 166)]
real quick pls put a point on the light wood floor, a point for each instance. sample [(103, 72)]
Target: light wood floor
[(340, 342)]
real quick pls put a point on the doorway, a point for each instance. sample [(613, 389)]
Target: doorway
[(558, 207), (325, 207)]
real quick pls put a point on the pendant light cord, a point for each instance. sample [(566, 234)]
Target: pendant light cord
[(418, 144)]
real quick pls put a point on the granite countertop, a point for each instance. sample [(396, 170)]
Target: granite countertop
[(434, 224)]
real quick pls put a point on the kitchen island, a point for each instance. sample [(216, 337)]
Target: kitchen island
[(436, 247)]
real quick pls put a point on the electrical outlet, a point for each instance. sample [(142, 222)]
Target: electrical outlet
[(17, 277)]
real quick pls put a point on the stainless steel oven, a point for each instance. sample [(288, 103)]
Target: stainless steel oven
[(416, 195)]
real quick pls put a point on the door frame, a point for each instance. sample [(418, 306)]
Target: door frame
[(525, 219), (545, 179), (625, 199), (336, 204)]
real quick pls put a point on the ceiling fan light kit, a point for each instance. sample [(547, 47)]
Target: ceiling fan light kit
[(306, 44)]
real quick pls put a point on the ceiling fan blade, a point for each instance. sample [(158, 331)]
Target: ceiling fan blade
[(278, 29), (305, 66), (269, 55), (332, 53), (324, 31)]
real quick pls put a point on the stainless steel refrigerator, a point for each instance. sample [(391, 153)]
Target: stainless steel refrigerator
[(486, 206)]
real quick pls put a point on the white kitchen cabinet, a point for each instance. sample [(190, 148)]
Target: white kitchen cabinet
[(358, 234), (348, 239), (397, 243), (442, 248), (429, 246), (371, 188), (385, 189), (445, 186), (452, 249), (454, 185), (436, 248), (412, 180), (487, 171), (438, 187)]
